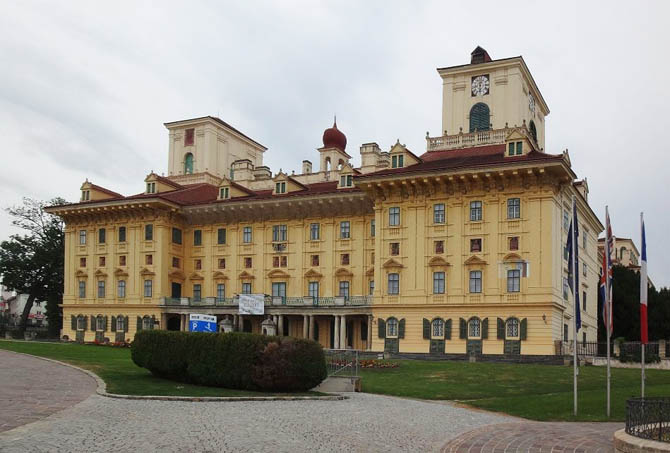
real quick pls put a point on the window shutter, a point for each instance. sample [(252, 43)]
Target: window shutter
[(447, 329), (485, 328), (73, 319), (139, 323), (125, 325), (106, 323), (462, 333), (401, 328), (85, 322), (113, 324), (381, 324), (524, 329), (501, 329), (426, 329)]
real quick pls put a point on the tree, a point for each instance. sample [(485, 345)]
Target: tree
[(33, 263)]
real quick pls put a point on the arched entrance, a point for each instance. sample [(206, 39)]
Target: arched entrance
[(174, 322)]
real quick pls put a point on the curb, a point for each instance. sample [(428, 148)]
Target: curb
[(102, 390)]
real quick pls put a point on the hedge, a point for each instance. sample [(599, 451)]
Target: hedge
[(235, 360)]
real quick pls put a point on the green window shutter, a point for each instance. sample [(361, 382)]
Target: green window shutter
[(139, 323), (381, 324), (523, 334), (125, 325), (462, 332), (73, 320), (519, 148), (105, 323), (501, 329), (401, 328), (485, 328), (447, 329), (113, 324), (426, 329), (511, 149)]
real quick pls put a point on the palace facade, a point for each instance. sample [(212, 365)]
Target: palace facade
[(457, 249)]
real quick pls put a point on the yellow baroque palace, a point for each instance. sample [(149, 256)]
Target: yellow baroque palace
[(457, 249)]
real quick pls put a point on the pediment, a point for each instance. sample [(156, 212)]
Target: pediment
[(100, 273), (342, 272), (195, 276), (370, 272), (246, 276), (120, 272), (515, 135), (438, 261), (391, 263), (81, 274), (313, 274), (146, 271), (278, 273), (512, 257), (473, 260), (218, 275), (178, 274)]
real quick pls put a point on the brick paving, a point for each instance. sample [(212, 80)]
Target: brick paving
[(32, 389), (539, 437)]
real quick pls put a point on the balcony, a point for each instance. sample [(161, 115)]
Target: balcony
[(477, 138), (353, 301)]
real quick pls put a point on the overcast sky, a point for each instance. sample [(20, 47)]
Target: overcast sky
[(85, 87)]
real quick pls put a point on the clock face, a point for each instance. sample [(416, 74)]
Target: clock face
[(480, 85), (531, 102)]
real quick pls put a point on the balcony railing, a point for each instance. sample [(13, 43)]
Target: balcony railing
[(470, 139), (306, 301)]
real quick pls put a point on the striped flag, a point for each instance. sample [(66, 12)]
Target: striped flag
[(643, 286), (606, 279)]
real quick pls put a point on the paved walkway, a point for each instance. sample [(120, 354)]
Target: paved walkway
[(32, 389)]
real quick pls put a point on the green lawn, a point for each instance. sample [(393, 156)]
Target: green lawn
[(537, 392), (118, 371)]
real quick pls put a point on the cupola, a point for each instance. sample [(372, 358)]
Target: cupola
[(334, 138)]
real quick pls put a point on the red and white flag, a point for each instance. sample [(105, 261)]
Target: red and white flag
[(643, 286)]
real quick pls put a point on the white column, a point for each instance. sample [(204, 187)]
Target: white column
[(241, 324), (336, 344), (343, 332), (369, 342), (280, 325), (305, 326), (311, 327)]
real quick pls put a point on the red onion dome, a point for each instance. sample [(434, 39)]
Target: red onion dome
[(334, 138)]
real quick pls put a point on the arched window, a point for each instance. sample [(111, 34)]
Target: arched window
[(512, 328), (480, 117), (392, 327), (533, 130), (188, 164), (81, 322), (474, 328), (327, 164), (437, 328)]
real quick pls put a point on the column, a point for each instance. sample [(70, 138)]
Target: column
[(337, 333), (369, 342), (343, 332), (311, 327), (305, 326), (280, 325), (235, 323), (163, 325), (240, 324), (181, 322)]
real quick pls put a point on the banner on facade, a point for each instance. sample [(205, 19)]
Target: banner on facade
[(251, 304), (202, 323)]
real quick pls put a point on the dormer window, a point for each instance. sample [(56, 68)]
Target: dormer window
[(514, 148), (85, 195), (280, 187), (151, 187), (346, 181), (224, 193), (397, 161)]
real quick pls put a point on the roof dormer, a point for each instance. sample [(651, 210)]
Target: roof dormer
[(402, 157), (347, 177), (159, 184), (91, 192), (285, 184), (517, 144), (228, 190)]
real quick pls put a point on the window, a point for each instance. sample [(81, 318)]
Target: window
[(515, 148), (149, 260), (220, 292), (246, 235), (439, 247), (222, 263), (512, 328), (280, 187), (101, 288), (122, 234), (85, 195), (566, 288), (175, 262), (514, 243), (99, 323), (584, 339), (513, 280), (584, 300), (514, 208), (475, 211), (246, 288), (101, 236), (346, 181), (475, 281), (565, 332), (344, 259), (392, 327), (224, 193), (221, 236), (82, 289), (372, 228), (188, 164), (394, 283), (121, 289), (82, 262), (584, 237), (101, 261), (197, 237), (395, 248), (313, 289), (476, 245), (198, 265), (247, 262), (474, 328), (82, 237), (148, 288), (176, 236), (189, 136), (120, 324), (345, 230), (344, 289), (275, 261), (279, 233), (279, 289), (315, 260), (149, 233), (81, 322), (314, 231), (437, 328), (438, 282), (584, 268), (397, 161), (371, 287), (566, 220), (394, 216), (480, 117), (284, 261), (439, 213), (147, 323), (151, 187), (197, 292)]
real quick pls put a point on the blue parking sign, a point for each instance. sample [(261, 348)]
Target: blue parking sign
[(202, 323)]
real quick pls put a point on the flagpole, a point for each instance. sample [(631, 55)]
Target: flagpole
[(574, 303), (642, 336), (609, 307)]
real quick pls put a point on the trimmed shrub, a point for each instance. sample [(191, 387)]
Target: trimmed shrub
[(232, 360)]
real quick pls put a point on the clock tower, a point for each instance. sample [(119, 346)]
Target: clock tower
[(489, 94)]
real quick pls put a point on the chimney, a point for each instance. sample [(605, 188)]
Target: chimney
[(306, 167)]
